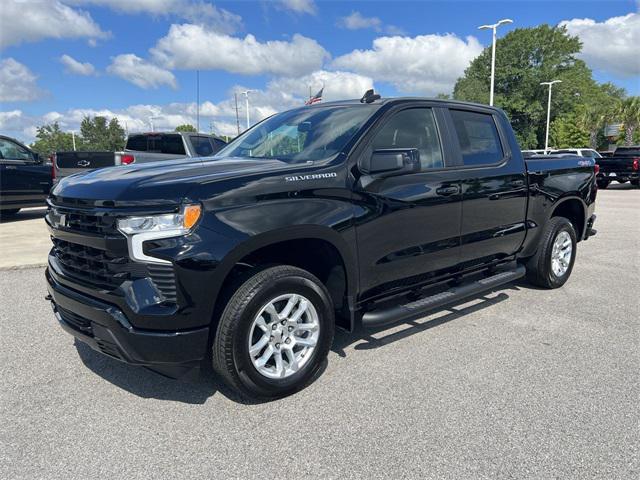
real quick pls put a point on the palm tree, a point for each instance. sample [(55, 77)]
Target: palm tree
[(629, 114)]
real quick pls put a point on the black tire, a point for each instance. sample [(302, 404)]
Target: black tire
[(635, 182), (9, 212), (539, 270), (602, 184), (230, 351)]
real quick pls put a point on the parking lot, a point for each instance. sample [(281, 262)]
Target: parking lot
[(520, 383)]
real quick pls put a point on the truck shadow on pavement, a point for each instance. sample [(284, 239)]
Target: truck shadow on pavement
[(201, 384)]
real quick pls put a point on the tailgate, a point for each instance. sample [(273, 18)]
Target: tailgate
[(617, 165), (84, 160)]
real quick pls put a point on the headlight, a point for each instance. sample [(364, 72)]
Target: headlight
[(178, 223), (154, 227)]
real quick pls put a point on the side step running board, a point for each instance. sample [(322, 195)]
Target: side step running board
[(397, 313)]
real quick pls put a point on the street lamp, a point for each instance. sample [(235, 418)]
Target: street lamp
[(246, 99), (493, 51), (546, 141)]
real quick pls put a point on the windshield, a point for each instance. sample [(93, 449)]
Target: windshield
[(302, 134)]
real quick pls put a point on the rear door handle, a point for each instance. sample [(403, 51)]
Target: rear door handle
[(446, 191)]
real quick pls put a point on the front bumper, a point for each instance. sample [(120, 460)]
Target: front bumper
[(105, 328)]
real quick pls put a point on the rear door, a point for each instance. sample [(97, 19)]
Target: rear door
[(494, 187), (409, 226)]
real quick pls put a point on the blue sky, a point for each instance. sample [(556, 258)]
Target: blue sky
[(136, 59)]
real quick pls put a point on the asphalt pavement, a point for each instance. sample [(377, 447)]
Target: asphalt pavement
[(520, 383)]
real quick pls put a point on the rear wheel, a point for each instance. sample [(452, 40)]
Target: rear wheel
[(274, 333), (552, 264), (602, 184), (635, 182)]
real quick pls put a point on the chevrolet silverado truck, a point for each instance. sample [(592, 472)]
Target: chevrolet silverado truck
[(344, 214), (623, 166), (140, 148)]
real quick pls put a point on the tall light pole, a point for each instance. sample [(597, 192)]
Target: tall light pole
[(246, 100), (493, 52), (151, 122), (546, 140), (73, 138)]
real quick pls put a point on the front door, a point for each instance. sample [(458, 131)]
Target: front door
[(408, 226)]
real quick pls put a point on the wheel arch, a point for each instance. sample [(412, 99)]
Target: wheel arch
[(574, 209), (320, 250)]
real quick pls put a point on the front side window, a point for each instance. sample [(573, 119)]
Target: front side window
[(13, 151), (412, 128), (478, 138), (301, 135)]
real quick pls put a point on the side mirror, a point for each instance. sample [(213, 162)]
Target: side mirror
[(36, 157), (392, 161)]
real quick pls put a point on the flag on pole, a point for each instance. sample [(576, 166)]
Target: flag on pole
[(316, 98)]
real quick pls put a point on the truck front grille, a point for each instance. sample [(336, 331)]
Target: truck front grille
[(102, 268)]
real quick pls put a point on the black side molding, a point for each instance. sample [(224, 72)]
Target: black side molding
[(387, 316)]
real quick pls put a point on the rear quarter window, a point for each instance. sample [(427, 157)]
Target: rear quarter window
[(478, 137)]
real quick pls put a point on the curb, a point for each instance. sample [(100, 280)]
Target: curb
[(23, 267)]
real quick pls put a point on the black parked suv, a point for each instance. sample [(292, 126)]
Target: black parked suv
[(356, 212)]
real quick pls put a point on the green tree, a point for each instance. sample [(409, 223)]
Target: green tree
[(98, 134), (628, 113), (525, 57), (566, 132), (50, 139), (187, 127)]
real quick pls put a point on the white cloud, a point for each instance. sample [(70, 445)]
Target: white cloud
[(196, 11), (278, 95), (17, 82), (337, 85), (356, 21), (191, 46), (612, 45), (134, 69), (300, 6), (426, 64), (33, 20), (74, 66)]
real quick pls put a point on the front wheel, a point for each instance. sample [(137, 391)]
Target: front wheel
[(274, 333), (552, 264)]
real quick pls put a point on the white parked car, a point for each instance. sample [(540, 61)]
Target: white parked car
[(581, 152)]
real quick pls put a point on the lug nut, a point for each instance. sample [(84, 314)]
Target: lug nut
[(283, 322), (288, 340), (271, 337), (291, 329), (274, 326), (277, 345)]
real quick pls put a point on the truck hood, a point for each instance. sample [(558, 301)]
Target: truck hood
[(163, 181)]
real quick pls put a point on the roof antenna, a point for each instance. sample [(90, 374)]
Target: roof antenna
[(369, 97)]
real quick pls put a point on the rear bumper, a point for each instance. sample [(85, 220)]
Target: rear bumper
[(105, 328)]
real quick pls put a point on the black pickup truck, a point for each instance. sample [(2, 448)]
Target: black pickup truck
[(25, 177), (339, 214), (623, 166)]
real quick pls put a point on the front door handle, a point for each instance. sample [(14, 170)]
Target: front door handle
[(517, 183), (446, 191)]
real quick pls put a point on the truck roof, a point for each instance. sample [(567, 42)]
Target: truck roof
[(385, 101)]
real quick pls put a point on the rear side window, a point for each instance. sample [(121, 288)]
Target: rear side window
[(478, 137), (172, 144), (218, 144), (202, 146)]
